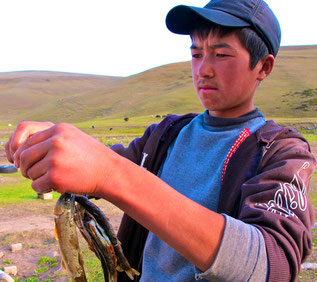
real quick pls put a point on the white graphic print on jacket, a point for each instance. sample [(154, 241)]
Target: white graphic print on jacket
[(289, 197)]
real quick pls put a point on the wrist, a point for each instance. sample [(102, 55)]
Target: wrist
[(111, 175)]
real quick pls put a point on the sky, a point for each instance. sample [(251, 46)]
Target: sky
[(115, 37)]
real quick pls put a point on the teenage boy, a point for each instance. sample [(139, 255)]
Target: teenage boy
[(223, 194)]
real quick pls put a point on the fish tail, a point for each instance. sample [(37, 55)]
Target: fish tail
[(131, 272)]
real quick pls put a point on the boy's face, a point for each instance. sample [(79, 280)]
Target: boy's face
[(222, 77)]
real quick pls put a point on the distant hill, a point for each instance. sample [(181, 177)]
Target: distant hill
[(290, 91)]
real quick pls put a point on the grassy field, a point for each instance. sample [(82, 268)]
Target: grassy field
[(290, 91)]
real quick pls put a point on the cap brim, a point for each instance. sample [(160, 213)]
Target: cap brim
[(182, 19)]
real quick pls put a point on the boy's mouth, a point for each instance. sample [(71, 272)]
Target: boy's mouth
[(207, 87)]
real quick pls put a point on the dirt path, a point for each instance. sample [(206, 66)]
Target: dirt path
[(22, 218), (12, 225)]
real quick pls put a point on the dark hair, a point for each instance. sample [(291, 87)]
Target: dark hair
[(248, 37)]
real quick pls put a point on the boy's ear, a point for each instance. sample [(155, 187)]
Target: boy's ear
[(266, 64)]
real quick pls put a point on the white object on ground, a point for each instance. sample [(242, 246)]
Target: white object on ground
[(309, 265), (16, 247)]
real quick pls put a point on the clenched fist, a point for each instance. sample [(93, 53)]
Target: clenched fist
[(59, 157)]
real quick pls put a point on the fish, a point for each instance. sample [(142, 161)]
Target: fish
[(66, 235), (73, 211), (108, 234), (98, 242)]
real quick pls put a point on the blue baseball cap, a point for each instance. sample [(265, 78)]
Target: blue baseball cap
[(255, 14)]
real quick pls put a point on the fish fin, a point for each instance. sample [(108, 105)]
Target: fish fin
[(63, 264), (81, 261), (116, 276), (55, 234), (113, 278), (131, 272)]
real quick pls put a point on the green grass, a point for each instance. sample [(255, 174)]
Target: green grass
[(47, 260), (18, 192), (134, 126), (310, 137), (45, 263), (92, 265), (313, 191), (41, 269)]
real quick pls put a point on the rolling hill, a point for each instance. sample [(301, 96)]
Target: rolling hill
[(290, 91)]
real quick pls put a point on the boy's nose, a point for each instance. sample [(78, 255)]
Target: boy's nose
[(206, 68)]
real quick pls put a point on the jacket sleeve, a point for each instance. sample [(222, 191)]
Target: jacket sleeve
[(276, 202)]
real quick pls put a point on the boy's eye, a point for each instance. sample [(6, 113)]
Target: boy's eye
[(196, 56), (222, 55)]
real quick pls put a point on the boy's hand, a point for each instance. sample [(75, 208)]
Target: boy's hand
[(64, 159)]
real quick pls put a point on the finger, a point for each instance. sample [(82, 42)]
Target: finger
[(8, 151), (23, 131), (38, 169), (45, 183), (31, 141), (42, 184), (29, 156)]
